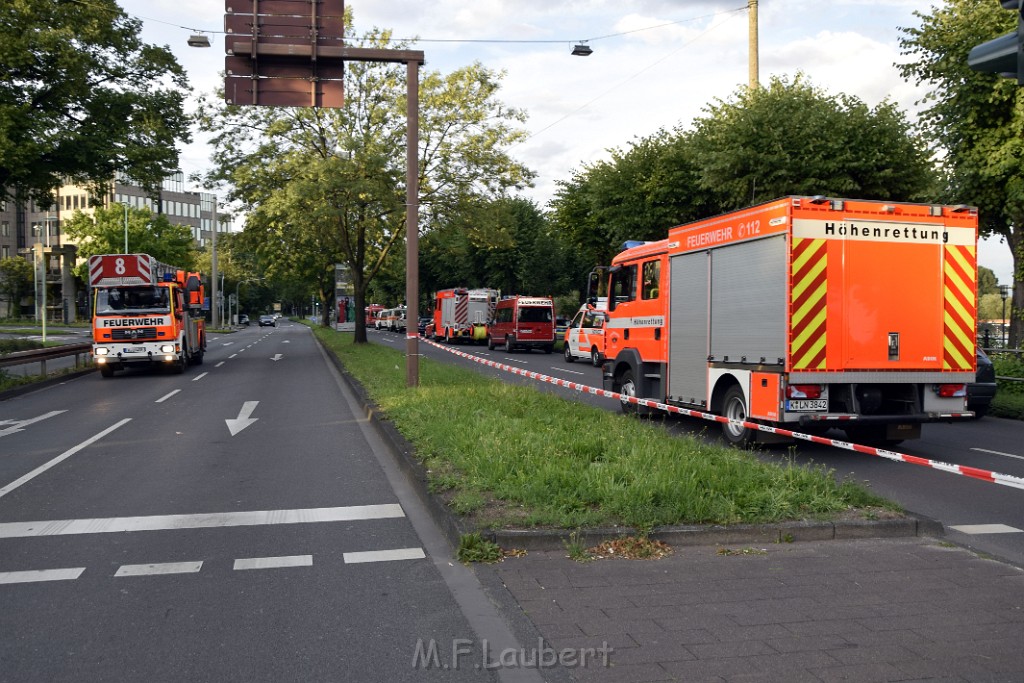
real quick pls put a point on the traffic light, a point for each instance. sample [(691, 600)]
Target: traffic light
[(1005, 54)]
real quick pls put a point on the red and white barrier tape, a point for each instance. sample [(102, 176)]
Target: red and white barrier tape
[(973, 472)]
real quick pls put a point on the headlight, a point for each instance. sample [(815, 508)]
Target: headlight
[(101, 351), (167, 348)]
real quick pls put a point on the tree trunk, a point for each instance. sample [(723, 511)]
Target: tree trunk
[(1016, 242)]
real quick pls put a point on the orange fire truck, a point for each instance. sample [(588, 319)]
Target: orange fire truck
[(463, 314), (804, 312), (145, 313)]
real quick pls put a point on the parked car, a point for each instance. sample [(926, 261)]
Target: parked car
[(268, 321), (981, 392), (421, 325), (243, 320), (585, 336)]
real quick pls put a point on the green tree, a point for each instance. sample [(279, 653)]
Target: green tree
[(16, 281), (328, 186), (793, 138), (104, 233), (976, 121), (988, 283), (81, 98), (786, 138)]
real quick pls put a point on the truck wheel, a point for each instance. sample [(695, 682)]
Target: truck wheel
[(508, 344), (734, 407), (197, 359), (549, 348), (569, 358), (106, 371), (490, 343), (627, 387), (595, 358), (179, 365)]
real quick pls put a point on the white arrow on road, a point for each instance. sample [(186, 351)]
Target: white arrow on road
[(19, 425), (277, 356), (243, 420)]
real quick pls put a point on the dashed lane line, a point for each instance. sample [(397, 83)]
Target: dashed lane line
[(273, 562), (200, 376), (37, 575), (166, 396), (987, 529), (384, 555), (194, 567), (159, 568), (65, 527)]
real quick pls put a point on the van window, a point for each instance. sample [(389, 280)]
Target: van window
[(534, 314), (652, 271)]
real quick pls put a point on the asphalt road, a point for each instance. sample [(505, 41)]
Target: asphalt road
[(234, 523), (985, 517)]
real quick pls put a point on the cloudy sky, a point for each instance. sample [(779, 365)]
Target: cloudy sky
[(655, 63)]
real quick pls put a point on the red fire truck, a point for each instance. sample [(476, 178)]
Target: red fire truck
[(803, 312)]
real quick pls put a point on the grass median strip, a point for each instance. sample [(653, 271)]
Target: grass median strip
[(503, 455)]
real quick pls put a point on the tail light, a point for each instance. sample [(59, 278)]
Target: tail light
[(951, 390), (803, 391)]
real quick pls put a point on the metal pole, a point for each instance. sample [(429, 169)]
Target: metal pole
[(125, 228), (753, 59), (46, 242), (214, 318), (412, 229)]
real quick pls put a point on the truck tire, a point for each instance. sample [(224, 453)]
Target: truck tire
[(627, 387), (197, 359), (490, 343), (509, 346), (734, 407), (595, 358), (179, 365), (569, 358), (549, 348)]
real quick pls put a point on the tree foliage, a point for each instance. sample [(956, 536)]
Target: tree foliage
[(81, 98), (787, 138), (327, 186), (975, 120), (16, 282), (104, 233)]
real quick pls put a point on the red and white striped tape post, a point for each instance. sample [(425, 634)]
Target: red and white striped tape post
[(973, 472)]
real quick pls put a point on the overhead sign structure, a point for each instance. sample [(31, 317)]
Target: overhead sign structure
[(291, 53), (284, 53)]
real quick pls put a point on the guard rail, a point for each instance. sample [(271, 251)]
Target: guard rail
[(42, 355)]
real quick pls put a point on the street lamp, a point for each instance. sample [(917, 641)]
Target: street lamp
[(1004, 293), (125, 228)]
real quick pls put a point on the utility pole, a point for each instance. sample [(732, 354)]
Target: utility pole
[(752, 15)]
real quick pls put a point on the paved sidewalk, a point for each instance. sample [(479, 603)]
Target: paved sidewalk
[(907, 609)]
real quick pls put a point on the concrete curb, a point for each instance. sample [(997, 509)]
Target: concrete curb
[(556, 539)]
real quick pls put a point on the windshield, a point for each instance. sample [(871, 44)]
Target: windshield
[(534, 314), (139, 299)]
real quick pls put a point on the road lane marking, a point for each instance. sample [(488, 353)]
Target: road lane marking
[(571, 372), (232, 356), (1005, 455), (60, 458), (219, 364), (200, 376), (161, 568), (167, 396), (384, 555), (35, 575), (14, 426), (243, 420), (105, 525), (273, 562), (987, 529)]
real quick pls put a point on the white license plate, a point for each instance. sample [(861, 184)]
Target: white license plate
[(803, 405), (134, 349)]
